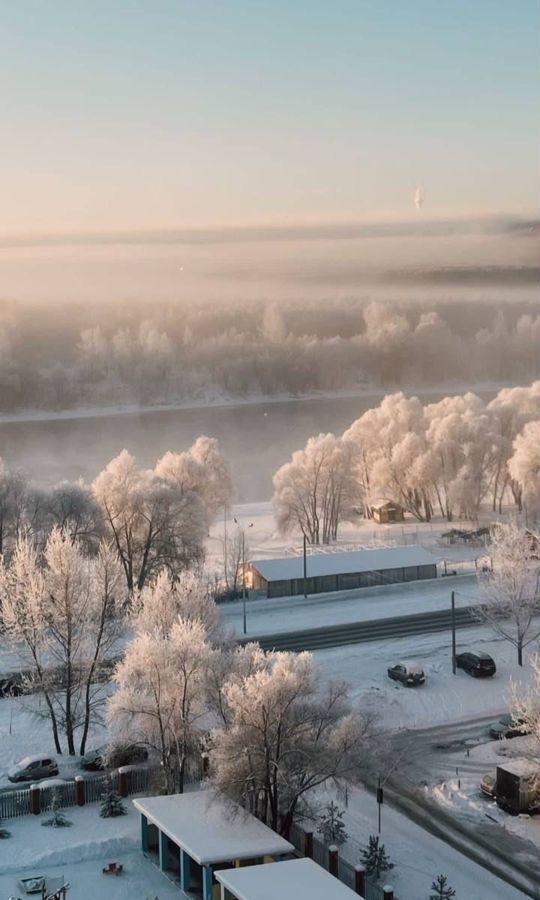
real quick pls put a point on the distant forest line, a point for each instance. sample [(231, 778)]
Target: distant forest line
[(64, 356)]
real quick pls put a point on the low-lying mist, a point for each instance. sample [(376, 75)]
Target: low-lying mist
[(189, 317)]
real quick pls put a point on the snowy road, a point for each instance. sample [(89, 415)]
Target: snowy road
[(268, 616)]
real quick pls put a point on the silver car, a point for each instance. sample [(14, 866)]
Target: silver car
[(33, 768)]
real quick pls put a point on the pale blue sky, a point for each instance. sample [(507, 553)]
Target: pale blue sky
[(120, 114)]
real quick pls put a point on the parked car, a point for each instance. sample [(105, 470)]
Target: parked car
[(488, 785), (507, 727), (114, 757), (33, 768), (11, 685), (408, 673), (477, 664)]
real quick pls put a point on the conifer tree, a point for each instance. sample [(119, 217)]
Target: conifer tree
[(332, 826), (111, 804), (374, 857), (440, 889), (58, 819)]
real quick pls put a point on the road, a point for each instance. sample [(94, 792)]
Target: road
[(419, 760)]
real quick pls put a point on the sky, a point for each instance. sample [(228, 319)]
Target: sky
[(196, 113)]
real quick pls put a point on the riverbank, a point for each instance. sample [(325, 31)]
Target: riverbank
[(232, 402)]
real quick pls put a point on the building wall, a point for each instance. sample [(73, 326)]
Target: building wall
[(350, 581)]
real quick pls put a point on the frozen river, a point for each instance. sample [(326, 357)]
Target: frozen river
[(256, 438)]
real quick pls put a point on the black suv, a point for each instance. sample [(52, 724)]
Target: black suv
[(478, 664)]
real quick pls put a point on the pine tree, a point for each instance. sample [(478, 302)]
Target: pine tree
[(374, 857), (440, 889), (58, 819), (332, 826), (111, 804)]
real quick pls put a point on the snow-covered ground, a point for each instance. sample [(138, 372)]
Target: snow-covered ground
[(417, 856), (24, 731), (445, 697), (79, 854), (461, 795)]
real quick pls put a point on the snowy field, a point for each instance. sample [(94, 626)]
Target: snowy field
[(79, 854), (445, 697)]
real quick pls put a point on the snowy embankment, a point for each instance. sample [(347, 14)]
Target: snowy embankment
[(221, 400)]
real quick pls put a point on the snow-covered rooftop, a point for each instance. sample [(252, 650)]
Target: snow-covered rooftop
[(287, 880), (320, 564), (209, 829)]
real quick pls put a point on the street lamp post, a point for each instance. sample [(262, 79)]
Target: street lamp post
[(244, 595)]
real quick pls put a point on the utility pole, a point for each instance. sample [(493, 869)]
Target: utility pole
[(305, 567), (225, 572), (454, 667), (244, 580), (244, 596), (380, 798)]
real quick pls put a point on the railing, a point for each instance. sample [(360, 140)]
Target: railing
[(18, 802), (14, 804)]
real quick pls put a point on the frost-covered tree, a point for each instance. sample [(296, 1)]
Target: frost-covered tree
[(440, 889), (331, 825), (13, 491), (510, 592), (317, 490), (284, 736), (374, 857), (164, 601), (525, 706), (62, 611), (524, 466), (160, 697), (202, 470), (155, 524)]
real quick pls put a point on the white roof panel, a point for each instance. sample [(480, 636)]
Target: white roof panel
[(347, 562), (209, 829), (287, 880)]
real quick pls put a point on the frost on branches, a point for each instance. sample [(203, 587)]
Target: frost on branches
[(161, 695), (284, 736), (317, 490), (510, 593), (62, 610), (525, 467)]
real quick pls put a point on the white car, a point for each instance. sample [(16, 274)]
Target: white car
[(33, 768)]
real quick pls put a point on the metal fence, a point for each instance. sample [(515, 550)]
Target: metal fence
[(346, 871), (14, 804), (17, 802)]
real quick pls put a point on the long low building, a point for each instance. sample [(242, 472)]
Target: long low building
[(327, 572)]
